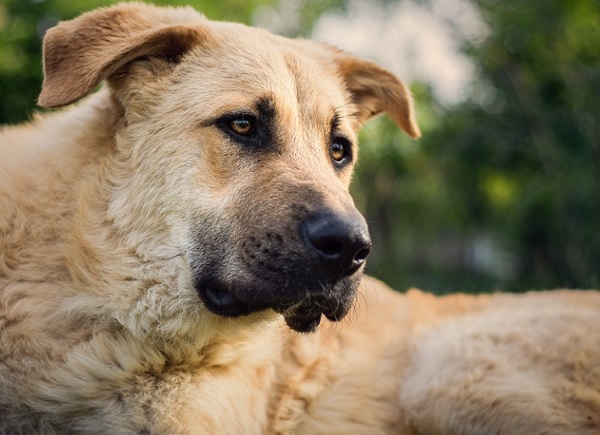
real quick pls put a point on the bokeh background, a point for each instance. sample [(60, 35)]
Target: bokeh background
[(503, 190)]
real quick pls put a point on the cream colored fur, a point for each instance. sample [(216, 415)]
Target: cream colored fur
[(102, 206)]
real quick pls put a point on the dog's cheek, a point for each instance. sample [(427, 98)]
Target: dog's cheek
[(345, 175)]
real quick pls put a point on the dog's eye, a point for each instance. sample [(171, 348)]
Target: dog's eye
[(340, 149), (242, 126)]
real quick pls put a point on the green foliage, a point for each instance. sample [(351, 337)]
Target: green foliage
[(516, 167)]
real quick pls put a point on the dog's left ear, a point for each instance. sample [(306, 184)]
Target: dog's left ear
[(80, 53), (375, 90)]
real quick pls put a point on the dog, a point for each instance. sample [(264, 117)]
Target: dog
[(179, 254)]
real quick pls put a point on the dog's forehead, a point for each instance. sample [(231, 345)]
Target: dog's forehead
[(247, 65)]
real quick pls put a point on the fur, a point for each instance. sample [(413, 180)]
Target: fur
[(115, 210)]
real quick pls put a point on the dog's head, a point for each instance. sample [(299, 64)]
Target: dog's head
[(236, 146)]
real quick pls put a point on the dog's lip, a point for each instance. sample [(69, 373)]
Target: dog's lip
[(223, 302), (302, 314)]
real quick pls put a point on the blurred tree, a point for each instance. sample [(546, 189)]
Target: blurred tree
[(504, 189)]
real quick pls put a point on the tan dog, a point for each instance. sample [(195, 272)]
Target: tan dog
[(156, 239)]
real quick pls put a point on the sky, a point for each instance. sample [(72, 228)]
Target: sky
[(417, 40)]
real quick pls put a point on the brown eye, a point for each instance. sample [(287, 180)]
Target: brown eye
[(338, 150), (242, 126)]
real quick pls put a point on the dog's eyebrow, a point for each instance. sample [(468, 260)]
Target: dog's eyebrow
[(335, 121), (266, 108)]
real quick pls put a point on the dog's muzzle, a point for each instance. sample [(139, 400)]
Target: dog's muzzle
[(316, 272)]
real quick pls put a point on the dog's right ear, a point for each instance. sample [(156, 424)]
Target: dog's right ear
[(375, 90), (80, 53)]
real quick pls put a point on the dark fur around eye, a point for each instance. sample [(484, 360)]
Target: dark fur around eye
[(243, 128)]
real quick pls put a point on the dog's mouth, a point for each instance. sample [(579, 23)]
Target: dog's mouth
[(302, 314)]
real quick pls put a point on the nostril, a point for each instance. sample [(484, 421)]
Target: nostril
[(329, 247), (362, 255)]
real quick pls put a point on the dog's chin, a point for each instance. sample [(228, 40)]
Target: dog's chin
[(306, 315), (302, 315)]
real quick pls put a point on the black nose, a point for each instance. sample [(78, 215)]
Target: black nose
[(342, 243)]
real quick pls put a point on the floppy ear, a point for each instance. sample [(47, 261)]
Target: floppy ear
[(375, 90), (80, 53)]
